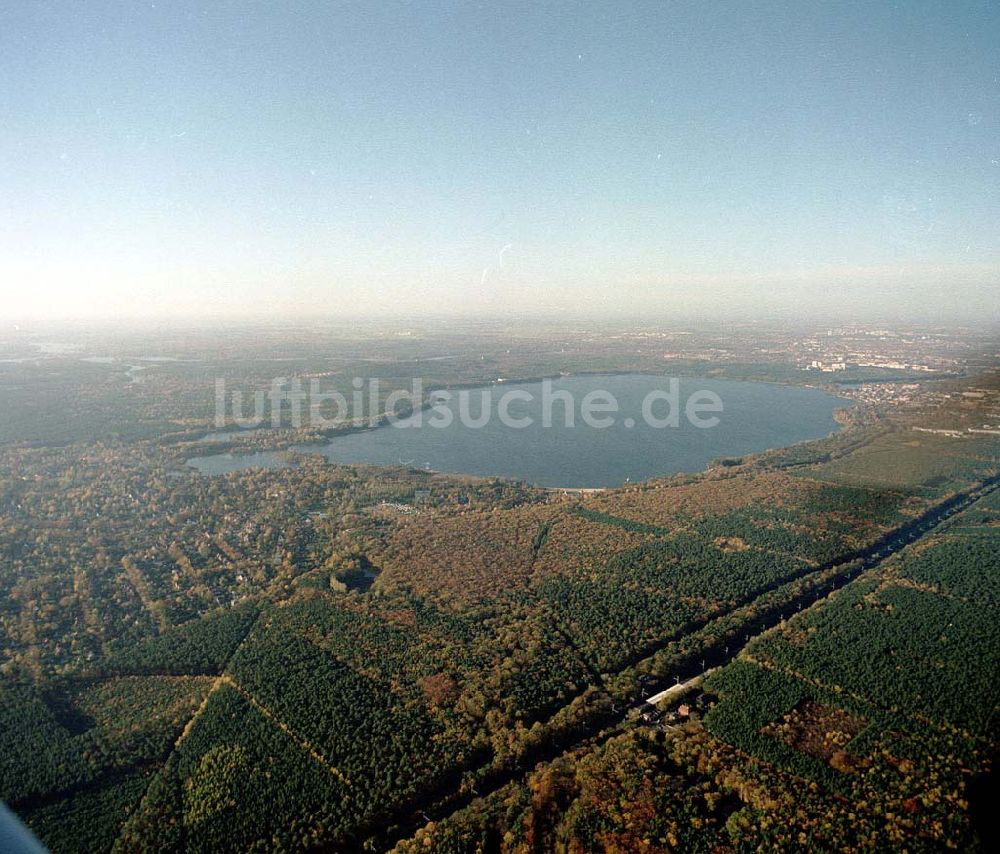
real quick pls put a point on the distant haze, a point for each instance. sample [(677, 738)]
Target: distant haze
[(756, 159)]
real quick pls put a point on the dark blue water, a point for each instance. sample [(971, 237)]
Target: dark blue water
[(754, 417)]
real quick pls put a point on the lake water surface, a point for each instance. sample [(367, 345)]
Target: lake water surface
[(755, 417)]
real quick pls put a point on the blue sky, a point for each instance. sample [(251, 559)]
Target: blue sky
[(431, 157)]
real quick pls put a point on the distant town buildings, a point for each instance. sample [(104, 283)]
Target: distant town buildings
[(827, 367)]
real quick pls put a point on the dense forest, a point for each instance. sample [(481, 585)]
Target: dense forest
[(836, 730), (320, 655)]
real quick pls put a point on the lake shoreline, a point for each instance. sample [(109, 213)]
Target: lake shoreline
[(764, 416)]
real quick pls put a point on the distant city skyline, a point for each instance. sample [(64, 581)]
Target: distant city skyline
[(754, 159)]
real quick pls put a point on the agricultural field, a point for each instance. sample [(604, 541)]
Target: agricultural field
[(920, 464)]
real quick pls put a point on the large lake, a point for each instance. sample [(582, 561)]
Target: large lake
[(754, 417)]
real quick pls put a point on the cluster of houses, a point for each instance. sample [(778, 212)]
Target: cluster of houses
[(690, 710)]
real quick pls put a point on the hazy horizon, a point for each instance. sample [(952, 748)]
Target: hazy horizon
[(752, 160)]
